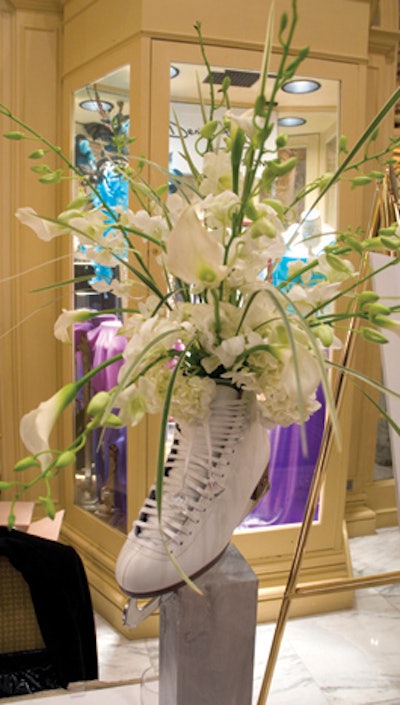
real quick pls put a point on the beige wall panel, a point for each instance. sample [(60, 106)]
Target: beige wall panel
[(328, 26), (29, 351), (90, 29)]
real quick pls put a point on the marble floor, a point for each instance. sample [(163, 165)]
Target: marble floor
[(350, 657)]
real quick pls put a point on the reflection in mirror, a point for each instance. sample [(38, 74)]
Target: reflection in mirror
[(101, 127), (311, 122), (383, 466)]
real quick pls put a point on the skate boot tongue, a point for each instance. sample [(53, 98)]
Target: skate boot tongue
[(226, 392), (192, 472)]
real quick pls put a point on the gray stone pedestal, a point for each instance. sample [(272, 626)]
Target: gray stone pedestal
[(207, 642)]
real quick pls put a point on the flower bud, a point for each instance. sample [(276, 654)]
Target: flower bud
[(54, 177), (41, 169), (25, 463), (14, 135), (37, 154), (282, 140), (376, 309), (377, 174), (336, 263), (208, 130), (237, 147), (325, 179), (360, 181), (48, 506), (98, 404), (325, 334), (367, 297), (343, 144), (392, 242), (112, 421), (4, 485), (65, 459), (373, 336)]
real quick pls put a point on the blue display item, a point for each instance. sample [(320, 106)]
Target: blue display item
[(281, 273), (84, 158), (113, 188)]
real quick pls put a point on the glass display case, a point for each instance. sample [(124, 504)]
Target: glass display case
[(101, 149), (147, 75)]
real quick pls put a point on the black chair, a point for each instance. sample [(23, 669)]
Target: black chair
[(47, 632)]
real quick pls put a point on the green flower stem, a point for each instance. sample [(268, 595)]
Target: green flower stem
[(128, 229), (75, 170), (56, 150), (76, 444), (146, 278), (58, 285), (374, 124), (135, 364), (216, 314), (355, 375), (246, 309), (197, 27), (353, 286), (319, 356)]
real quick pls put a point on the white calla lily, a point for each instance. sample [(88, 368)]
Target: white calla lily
[(37, 425), (193, 255), (67, 318)]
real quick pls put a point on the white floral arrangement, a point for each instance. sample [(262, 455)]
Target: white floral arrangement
[(217, 317)]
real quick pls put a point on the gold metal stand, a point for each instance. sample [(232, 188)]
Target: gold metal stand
[(384, 210)]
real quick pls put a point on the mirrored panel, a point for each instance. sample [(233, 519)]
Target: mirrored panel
[(101, 129), (310, 119)]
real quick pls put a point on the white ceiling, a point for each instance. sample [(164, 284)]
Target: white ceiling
[(319, 108)]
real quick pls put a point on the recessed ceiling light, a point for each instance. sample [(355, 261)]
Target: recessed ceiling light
[(173, 71), (301, 85), (291, 121), (95, 105)]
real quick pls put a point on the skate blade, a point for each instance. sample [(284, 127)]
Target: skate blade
[(133, 614)]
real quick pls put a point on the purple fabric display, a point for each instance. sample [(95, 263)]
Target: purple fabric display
[(290, 473), (104, 342)]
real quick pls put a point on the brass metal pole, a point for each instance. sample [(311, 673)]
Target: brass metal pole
[(313, 496)]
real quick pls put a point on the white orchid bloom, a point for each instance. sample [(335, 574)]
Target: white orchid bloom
[(229, 350), (175, 205), (220, 208), (37, 425), (339, 273), (101, 286), (193, 255), (44, 229), (122, 288), (132, 405), (210, 363), (246, 122), (67, 318), (154, 225), (307, 298), (217, 173), (308, 370), (89, 227)]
